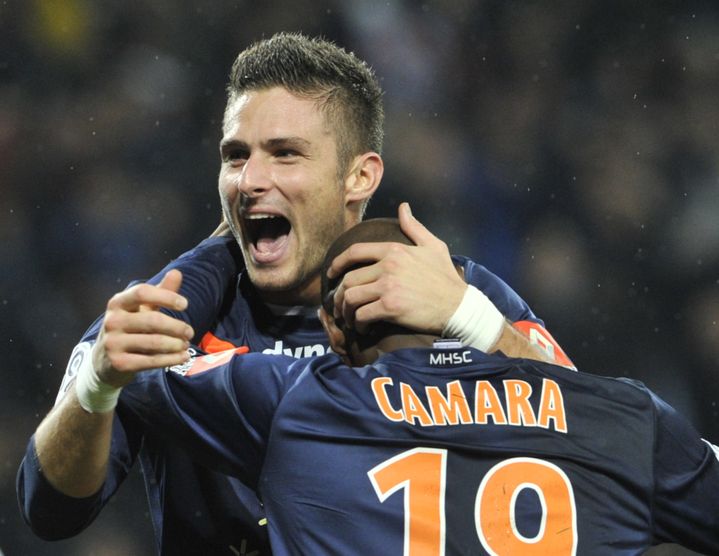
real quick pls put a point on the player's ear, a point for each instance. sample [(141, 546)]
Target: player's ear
[(363, 177), (335, 335)]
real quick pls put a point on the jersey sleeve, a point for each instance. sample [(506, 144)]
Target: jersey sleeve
[(219, 412), (53, 515), (209, 273), (686, 483), (509, 303)]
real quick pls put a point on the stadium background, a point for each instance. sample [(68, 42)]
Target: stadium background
[(571, 147)]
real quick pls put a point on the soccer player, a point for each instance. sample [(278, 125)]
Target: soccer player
[(302, 134), (428, 447)]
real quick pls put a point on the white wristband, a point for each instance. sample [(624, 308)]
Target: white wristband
[(94, 395), (476, 322)]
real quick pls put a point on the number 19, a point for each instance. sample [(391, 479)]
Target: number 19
[(421, 472)]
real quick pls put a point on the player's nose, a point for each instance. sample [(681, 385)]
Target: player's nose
[(256, 177)]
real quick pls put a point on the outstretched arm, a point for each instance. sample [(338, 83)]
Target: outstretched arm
[(209, 276), (73, 442), (419, 287)]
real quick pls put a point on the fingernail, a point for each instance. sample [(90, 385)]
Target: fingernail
[(181, 303), (189, 333)]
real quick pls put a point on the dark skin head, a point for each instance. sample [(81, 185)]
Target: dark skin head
[(360, 348)]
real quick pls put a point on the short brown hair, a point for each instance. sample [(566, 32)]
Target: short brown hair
[(344, 86)]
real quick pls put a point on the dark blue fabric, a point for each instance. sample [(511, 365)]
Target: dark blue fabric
[(306, 433), (195, 510)]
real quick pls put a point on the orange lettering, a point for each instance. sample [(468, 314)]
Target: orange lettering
[(519, 410), (487, 404), (452, 409), (412, 406), (551, 406), (380, 396)]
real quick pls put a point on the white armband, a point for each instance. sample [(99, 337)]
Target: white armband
[(476, 322), (94, 395)]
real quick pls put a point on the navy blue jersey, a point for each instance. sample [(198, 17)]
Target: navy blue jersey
[(453, 452), (195, 510)]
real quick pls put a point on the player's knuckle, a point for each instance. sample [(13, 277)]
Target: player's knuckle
[(151, 342), (155, 320), (389, 284), (112, 320), (351, 297), (441, 246), (143, 292), (339, 260), (362, 314), (397, 248), (111, 343), (392, 264), (118, 361), (392, 304), (353, 252), (348, 281), (168, 344), (163, 343), (115, 300)]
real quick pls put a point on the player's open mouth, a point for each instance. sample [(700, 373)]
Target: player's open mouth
[(268, 235)]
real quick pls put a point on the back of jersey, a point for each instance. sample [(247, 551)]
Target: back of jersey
[(456, 452)]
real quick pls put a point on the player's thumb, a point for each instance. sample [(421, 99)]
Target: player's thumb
[(171, 281), (412, 227)]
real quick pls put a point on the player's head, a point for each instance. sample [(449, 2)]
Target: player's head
[(301, 136), (341, 335), (343, 86)]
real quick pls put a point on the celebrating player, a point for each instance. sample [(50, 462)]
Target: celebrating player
[(300, 160), (429, 447)]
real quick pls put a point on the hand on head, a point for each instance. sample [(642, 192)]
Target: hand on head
[(415, 286)]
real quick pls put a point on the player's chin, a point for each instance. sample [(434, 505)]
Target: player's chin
[(275, 278)]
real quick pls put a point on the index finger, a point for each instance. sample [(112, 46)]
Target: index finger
[(359, 253)]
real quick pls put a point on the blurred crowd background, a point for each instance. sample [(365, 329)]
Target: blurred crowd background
[(571, 147)]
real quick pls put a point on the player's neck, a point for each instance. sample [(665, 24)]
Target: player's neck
[(306, 294), (369, 353)]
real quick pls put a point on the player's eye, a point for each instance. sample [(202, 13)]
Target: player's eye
[(234, 156)]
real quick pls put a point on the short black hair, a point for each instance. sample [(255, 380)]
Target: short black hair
[(344, 86), (373, 230)]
